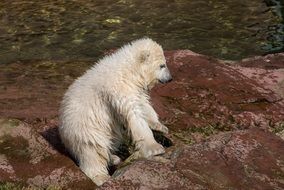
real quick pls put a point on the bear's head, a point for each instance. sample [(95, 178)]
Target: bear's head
[(151, 63)]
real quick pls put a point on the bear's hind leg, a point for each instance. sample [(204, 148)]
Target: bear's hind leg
[(94, 165)]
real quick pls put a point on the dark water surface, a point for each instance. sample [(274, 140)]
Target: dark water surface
[(83, 29)]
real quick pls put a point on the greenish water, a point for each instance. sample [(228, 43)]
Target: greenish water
[(84, 29)]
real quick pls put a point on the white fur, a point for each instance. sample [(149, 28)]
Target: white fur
[(110, 97)]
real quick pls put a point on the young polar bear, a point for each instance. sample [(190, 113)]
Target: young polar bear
[(109, 99)]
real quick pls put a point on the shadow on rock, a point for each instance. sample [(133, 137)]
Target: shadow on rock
[(51, 135), (162, 139)]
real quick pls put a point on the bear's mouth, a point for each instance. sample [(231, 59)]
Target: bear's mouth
[(165, 81), (161, 81)]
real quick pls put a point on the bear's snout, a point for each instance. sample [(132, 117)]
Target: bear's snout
[(166, 80)]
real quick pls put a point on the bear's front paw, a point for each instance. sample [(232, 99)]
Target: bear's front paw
[(164, 129), (160, 127), (152, 149)]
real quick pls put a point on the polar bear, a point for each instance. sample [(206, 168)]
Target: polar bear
[(111, 101)]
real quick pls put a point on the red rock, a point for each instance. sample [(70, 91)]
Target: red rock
[(28, 159), (206, 97), (248, 159), (220, 93)]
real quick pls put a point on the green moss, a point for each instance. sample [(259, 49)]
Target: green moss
[(279, 175), (186, 135), (51, 187), (17, 186), (14, 148), (209, 129), (13, 122), (11, 186), (278, 128), (9, 123), (206, 130), (8, 186), (183, 137)]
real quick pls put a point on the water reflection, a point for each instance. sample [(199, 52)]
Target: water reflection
[(276, 31), (83, 29)]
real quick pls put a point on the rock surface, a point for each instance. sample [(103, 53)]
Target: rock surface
[(27, 159), (222, 116), (248, 159)]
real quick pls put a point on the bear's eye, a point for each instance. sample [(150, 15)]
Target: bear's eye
[(162, 66)]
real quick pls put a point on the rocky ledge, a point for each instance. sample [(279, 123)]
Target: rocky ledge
[(226, 122)]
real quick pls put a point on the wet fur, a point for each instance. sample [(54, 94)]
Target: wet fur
[(110, 97)]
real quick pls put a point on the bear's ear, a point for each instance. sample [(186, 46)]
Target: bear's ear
[(143, 57)]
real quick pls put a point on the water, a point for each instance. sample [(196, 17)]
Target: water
[(84, 29)]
